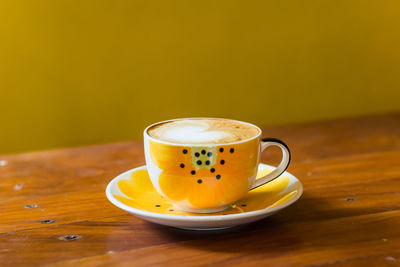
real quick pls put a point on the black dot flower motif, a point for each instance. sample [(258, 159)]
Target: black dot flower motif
[(197, 154), (208, 162), (231, 150), (185, 151), (221, 149), (199, 162), (199, 181), (193, 172), (182, 165), (203, 152), (222, 162), (212, 170), (209, 154), (218, 176)]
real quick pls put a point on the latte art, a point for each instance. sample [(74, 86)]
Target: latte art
[(203, 131)]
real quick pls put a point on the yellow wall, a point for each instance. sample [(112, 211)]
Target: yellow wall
[(79, 72)]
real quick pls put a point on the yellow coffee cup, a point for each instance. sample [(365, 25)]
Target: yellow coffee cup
[(208, 177)]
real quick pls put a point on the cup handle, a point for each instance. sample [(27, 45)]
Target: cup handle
[(266, 142)]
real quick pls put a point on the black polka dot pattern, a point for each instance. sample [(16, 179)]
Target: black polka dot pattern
[(221, 149), (185, 151), (218, 177), (208, 162), (197, 154), (209, 154), (212, 170), (182, 165), (231, 150), (199, 162), (193, 172), (222, 162), (203, 152), (199, 181)]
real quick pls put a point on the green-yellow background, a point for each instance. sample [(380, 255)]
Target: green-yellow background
[(76, 72)]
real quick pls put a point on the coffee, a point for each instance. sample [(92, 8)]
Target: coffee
[(203, 131)]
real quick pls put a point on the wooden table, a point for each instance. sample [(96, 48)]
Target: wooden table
[(53, 209)]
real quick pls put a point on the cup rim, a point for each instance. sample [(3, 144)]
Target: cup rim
[(146, 134)]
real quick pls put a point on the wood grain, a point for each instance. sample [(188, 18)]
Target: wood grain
[(392, 259), (302, 243), (349, 214), (346, 172), (316, 205), (365, 200)]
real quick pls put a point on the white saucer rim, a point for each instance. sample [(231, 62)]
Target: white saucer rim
[(185, 218)]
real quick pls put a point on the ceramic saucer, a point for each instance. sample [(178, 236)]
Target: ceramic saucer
[(133, 192)]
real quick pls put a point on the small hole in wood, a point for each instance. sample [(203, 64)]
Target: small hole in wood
[(31, 206), (47, 221), (70, 237)]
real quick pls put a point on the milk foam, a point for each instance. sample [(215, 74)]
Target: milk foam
[(193, 133), (202, 131)]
